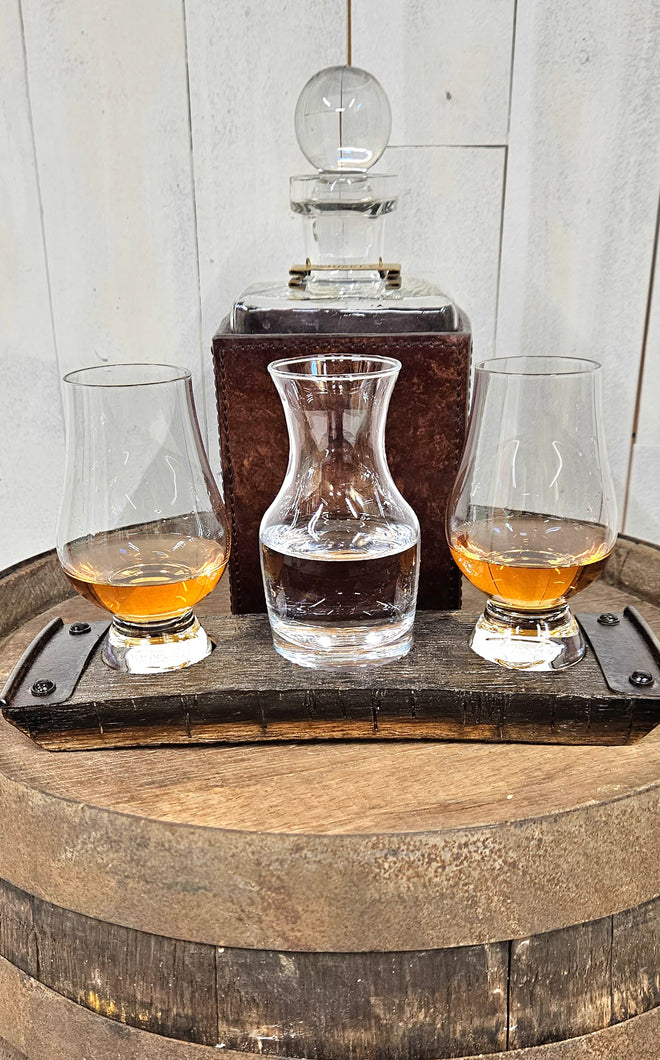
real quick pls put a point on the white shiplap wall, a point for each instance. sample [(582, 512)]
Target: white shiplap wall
[(32, 432), (447, 71), (246, 72), (109, 103), (446, 65), (144, 160), (583, 179), (643, 509)]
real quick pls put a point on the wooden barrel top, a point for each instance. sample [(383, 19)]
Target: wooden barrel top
[(343, 847)]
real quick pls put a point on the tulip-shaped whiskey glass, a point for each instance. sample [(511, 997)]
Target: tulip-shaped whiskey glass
[(339, 544), (532, 516), (142, 530)]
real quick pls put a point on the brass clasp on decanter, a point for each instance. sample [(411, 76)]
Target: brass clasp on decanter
[(391, 273)]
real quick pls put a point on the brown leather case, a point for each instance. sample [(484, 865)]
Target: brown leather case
[(424, 438)]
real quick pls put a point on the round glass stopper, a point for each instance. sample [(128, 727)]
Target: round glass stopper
[(343, 119)]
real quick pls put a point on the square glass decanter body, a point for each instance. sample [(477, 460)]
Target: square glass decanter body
[(349, 303)]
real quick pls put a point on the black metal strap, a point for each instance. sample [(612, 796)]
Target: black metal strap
[(50, 668), (627, 650)]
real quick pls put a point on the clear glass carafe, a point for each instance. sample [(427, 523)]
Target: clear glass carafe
[(142, 530), (339, 544), (532, 517)]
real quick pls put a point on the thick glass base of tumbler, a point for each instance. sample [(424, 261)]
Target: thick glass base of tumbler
[(322, 646), (156, 647), (524, 640)]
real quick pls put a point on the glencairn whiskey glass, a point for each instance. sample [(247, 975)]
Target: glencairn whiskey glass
[(142, 530), (532, 516)]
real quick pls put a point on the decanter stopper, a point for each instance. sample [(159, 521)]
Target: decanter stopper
[(343, 120), (343, 123)]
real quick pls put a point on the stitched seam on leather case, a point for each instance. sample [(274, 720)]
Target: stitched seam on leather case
[(458, 350), (234, 564)]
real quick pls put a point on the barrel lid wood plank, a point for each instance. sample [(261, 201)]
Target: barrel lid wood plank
[(347, 849)]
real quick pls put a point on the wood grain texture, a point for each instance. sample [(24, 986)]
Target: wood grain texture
[(445, 67), (18, 941), (245, 78), (636, 942), (108, 87), (633, 568), (161, 985), (244, 692), (37, 1022), (30, 587), (403, 841), (559, 984), (357, 1006), (31, 461), (7, 1052), (352, 1006), (582, 194)]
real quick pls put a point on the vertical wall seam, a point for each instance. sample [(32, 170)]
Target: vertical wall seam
[(499, 255), (204, 416), (642, 361), (504, 176), (349, 33), (513, 56), (37, 175)]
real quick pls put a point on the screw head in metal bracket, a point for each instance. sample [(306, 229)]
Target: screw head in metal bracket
[(641, 679), (608, 619), (78, 628), (43, 687)]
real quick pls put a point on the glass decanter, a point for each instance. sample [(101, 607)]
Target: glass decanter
[(142, 529), (339, 544), (532, 516), (343, 123)]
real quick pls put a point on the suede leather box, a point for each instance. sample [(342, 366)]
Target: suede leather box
[(424, 438)]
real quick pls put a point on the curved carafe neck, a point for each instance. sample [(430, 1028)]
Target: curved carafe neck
[(337, 456)]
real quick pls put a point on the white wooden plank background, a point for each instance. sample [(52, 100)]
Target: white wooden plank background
[(108, 87), (445, 66), (582, 194), (247, 69), (446, 227), (643, 507), (164, 142), (32, 433)]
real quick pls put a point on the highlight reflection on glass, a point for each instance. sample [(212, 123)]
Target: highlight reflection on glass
[(532, 516), (142, 531)]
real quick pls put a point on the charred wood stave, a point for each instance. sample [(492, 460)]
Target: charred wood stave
[(426, 1005)]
